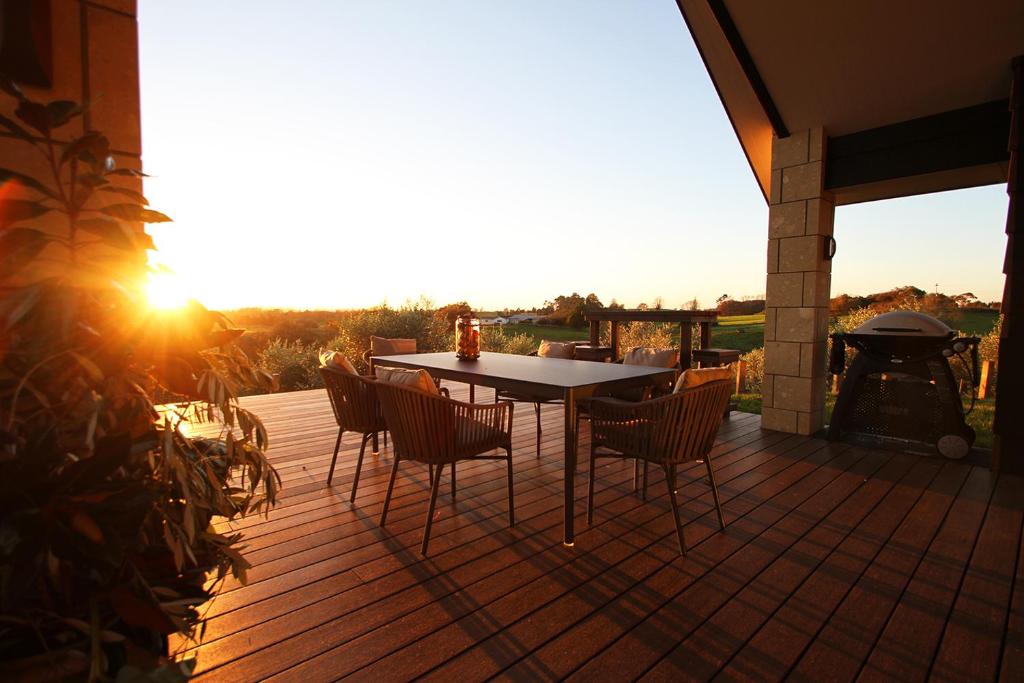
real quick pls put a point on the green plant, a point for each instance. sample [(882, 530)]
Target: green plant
[(417, 321), (755, 369), (502, 340), (293, 364), (632, 334), (106, 543)]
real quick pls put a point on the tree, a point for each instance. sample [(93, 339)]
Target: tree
[(452, 312)]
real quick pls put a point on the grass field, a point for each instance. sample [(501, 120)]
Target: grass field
[(976, 322)]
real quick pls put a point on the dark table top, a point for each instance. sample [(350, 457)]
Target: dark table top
[(552, 372)]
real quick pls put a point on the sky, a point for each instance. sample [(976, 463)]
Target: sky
[(346, 154)]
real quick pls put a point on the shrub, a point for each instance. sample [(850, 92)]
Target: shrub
[(413, 321), (639, 333), (500, 340), (293, 364), (755, 369), (988, 349)]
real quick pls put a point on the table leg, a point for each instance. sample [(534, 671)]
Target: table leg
[(569, 475), (472, 393), (685, 345)]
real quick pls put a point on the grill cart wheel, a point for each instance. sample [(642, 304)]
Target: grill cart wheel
[(953, 446)]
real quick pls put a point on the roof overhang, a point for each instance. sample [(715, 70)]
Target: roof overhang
[(912, 94)]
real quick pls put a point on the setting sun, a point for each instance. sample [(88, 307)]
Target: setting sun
[(166, 291)]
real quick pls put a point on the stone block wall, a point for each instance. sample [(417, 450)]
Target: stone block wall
[(800, 219)]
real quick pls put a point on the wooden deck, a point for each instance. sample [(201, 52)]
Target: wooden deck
[(838, 563)]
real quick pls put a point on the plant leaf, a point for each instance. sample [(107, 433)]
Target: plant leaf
[(14, 210), (18, 247), (62, 111), (127, 193), (143, 240), (16, 129), (23, 302), (90, 367), (110, 231), (129, 171), (7, 175), (36, 115), (92, 179), (134, 212), (93, 142)]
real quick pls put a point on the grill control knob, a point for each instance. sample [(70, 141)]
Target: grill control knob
[(947, 352), (959, 347)]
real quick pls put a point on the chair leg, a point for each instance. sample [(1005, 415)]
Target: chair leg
[(376, 444), (536, 407), (643, 493), (453, 481), (387, 496), (359, 467), (714, 491), (636, 475), (511, 495), (337, 447), (385, 438), (590, 487), (430, 511), (670, 481)]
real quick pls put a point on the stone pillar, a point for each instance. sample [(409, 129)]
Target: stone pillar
[(796, 315)]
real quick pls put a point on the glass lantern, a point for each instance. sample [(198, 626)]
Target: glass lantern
[(467, 338)]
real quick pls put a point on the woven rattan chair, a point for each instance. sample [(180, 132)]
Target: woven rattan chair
[(666, 431), (437, 430), (354, 401)]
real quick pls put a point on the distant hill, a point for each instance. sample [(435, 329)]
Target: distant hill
[(937, 302)]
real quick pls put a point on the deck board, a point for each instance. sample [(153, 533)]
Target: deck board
[(837, 562)]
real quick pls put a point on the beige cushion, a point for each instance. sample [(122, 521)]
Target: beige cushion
[(417, 379), (550, 349), (651, 357), (337, 361), (694, 378), (380, 346)]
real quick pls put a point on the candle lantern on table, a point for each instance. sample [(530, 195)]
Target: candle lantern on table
[(467, 338)]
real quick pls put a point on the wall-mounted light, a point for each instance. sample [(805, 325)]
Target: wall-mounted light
[(828, 247)]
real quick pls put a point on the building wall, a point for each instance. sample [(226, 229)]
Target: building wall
[(95, 54)]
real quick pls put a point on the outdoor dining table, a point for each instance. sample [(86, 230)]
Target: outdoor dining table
[(546, 378)]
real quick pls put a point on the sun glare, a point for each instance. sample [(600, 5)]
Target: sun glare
[(165, 291)]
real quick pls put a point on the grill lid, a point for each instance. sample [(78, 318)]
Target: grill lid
[(904, 324)]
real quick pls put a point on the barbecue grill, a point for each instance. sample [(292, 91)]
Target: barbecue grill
[(900, 384)]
